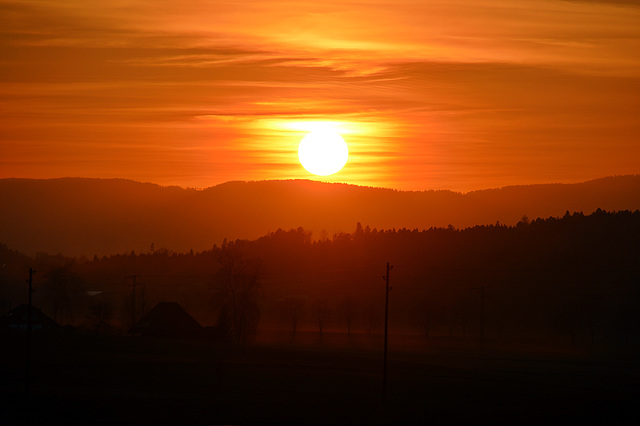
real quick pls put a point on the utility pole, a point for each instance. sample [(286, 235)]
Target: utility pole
[(482, 319), (133, 301), (386, 322), (28, 361)]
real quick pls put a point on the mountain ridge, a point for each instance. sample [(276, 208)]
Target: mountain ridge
[(87, 216)]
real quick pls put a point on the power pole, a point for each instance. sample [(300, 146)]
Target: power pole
[(386, 322), (133, 301), (28, 360), (482, 319)]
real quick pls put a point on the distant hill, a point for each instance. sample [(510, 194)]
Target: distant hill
[(77, 216)]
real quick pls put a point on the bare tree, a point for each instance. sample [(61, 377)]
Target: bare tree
[(348, 310), (294, 311), (321, 311), (64, 292), (423, 315), (99, 315), (235, 291)]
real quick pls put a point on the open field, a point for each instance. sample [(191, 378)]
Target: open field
[(114, 379)]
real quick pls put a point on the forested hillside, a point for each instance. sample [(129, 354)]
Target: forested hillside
[(99, 216), (571, 279)]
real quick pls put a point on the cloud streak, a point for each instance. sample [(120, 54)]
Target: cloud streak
[(459, 95)]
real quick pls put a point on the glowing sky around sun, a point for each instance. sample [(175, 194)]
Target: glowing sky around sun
[(443, 94)]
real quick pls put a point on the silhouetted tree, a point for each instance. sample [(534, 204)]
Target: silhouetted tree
[(524, 221), (99, 315), (223, 328), (321, 311), (64, 292), (423, 314), (294, 311), (235, 288), (348, 310)]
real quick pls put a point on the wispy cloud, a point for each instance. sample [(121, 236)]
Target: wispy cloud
[(458, 94)]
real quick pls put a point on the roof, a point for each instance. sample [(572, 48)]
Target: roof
[(168, 320), (18, 319)]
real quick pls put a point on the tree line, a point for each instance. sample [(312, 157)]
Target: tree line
[(574, 278)]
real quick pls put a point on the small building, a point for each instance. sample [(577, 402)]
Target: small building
[(170, 321), (18, 319)]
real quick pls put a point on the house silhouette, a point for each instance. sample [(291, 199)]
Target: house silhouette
[(170, 321), (18, 319)]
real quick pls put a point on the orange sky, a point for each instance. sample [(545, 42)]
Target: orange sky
[(442, 94)]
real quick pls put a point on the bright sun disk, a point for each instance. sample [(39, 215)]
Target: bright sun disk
[(323, 152)]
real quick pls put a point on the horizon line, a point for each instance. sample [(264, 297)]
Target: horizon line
[(314, 181)]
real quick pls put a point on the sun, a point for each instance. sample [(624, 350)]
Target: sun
[(323, 152)]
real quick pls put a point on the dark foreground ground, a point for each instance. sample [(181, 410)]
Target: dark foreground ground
[(114, 380)]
